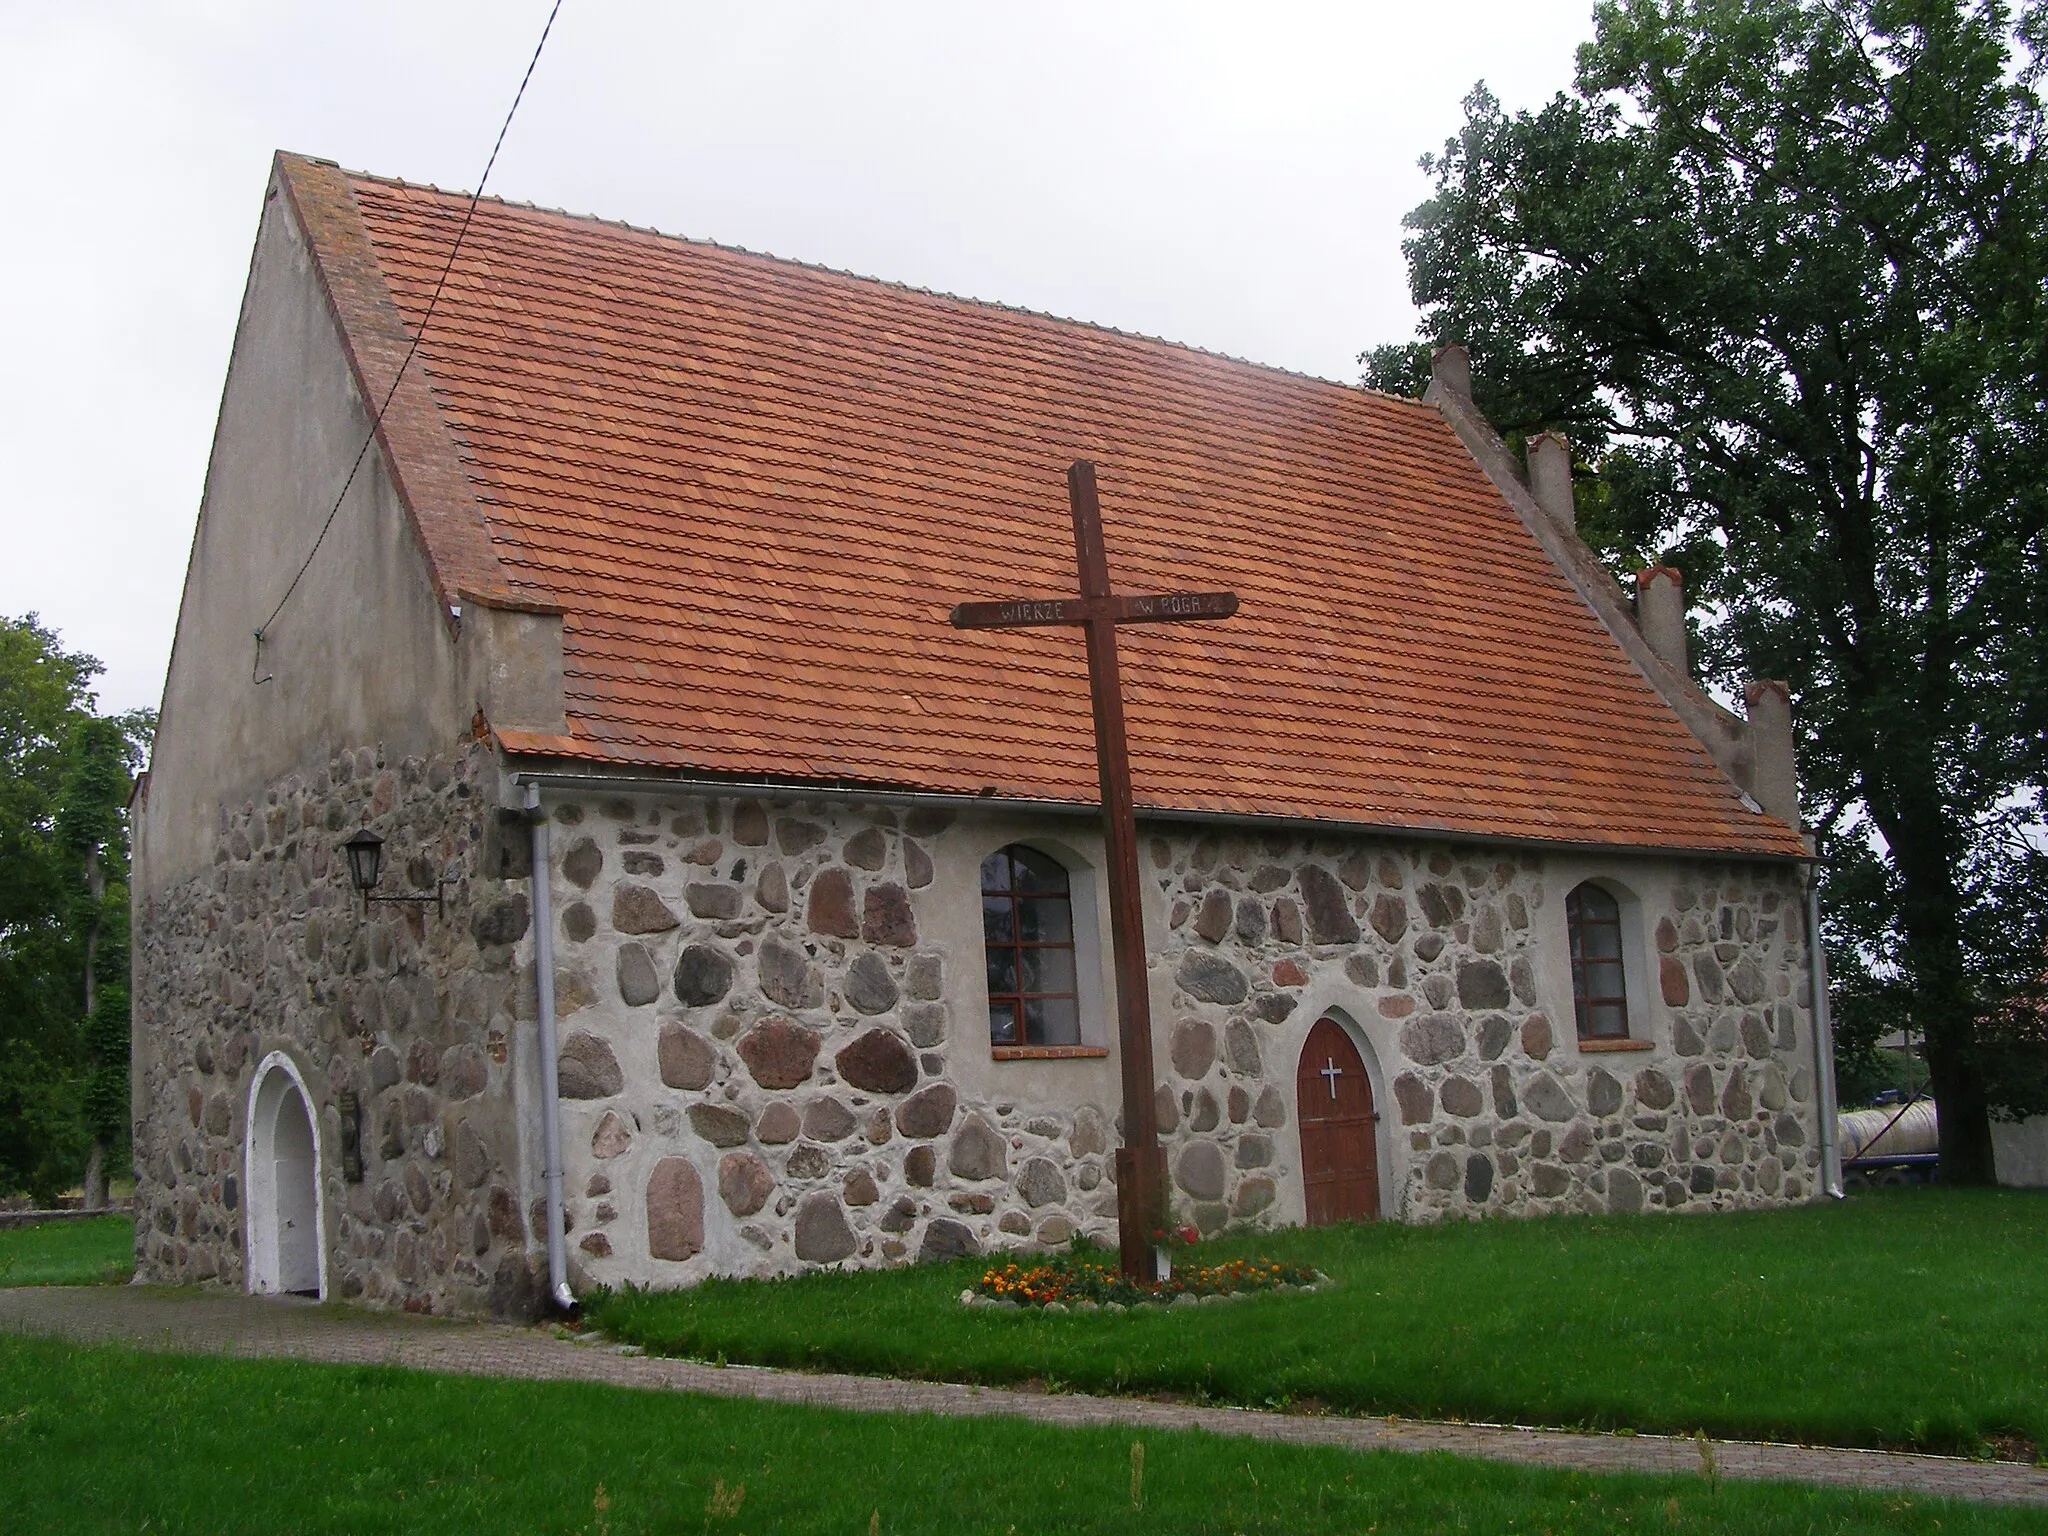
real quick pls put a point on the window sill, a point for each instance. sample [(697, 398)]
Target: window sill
[(1597, 1046), (1047, 1052)]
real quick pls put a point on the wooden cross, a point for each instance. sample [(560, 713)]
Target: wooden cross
[(1140, 1167)]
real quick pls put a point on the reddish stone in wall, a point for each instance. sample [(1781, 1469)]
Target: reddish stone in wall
[(675, 1210)]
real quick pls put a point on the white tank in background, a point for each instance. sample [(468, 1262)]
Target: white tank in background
[(1889, 1131)]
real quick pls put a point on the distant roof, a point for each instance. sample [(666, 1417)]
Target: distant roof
[(755, 487)]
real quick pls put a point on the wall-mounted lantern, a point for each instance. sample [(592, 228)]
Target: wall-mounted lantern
[(365, 853)]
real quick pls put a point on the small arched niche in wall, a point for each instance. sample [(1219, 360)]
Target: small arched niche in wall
[(281, 1174), (1041, 943), (1610, 973)]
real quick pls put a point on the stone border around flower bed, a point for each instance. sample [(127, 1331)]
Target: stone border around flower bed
[(973, 1298)]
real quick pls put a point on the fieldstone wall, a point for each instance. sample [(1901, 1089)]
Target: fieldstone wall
[(417, 1015), (1452, 968), (774, 1048), (774, 1051)]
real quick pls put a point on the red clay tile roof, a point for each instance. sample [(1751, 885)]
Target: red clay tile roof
[(756, 487)]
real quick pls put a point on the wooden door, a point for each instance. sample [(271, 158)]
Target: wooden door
[(1340, 1163)]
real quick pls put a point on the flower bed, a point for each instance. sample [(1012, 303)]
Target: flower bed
[(1071, 1284)]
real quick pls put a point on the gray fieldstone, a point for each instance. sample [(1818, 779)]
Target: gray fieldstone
[(1478, 1178), (822, 1235), (579, 922), (638, 985), (869, 987), (917, 867), (787, 976), (675, 1210), (587, 1069), (1213, 917), (1270, 1109), (859, 1188), (977, 1152), (1241, 1049), (581, 864), (1211, 978), (945, 1238), (924, 977), (611, 1137), (866, 849), (1254, 1195), (686, 1058), (1461, 1097), (920, 1167), (1603, 1093), (808, 1161), (1205, 1115), (771, 888), (1432, 1038), (1653, 1089), (1199, 1170), (1389, 917), (1041, 1183), (503, 921), (1250, 924), (1329, 909), (715, 902), (637, 909), (1482, 984), (719, 1124), (1546, 1097), (703, 976)]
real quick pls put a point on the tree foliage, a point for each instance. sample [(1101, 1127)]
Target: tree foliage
[(64, 782), (1779, 269)]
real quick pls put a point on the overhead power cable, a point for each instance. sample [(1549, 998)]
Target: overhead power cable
[(419, 335)]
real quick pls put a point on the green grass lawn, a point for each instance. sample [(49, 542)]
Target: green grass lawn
[(97, 1251), (1899, 1318), (107, 1439)]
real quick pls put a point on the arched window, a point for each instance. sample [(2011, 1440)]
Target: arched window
[(1599, 991), (1027, 921)]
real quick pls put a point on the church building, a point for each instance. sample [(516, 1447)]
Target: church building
[(576, 800)]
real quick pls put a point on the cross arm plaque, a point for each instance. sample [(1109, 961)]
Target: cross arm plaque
[(1097, 612)]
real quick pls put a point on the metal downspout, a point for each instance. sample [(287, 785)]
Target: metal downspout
[(1823, 1046), (550, 1086)]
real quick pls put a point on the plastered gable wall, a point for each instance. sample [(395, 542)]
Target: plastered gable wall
[(363, 653), (775, 1049)]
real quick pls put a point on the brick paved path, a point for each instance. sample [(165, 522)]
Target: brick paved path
[(216, 1322)]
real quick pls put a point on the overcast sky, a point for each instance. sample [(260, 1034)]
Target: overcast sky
[(1231, 175)]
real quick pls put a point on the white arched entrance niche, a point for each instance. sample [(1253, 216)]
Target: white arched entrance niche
[(281, 1173), (1389, 1153)]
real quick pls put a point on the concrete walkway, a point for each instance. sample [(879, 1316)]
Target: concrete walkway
[(212, 1322)]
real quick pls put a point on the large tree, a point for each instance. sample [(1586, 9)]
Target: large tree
[(64, 781), (1779, 269)]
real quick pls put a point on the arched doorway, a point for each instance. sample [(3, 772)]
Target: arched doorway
[(283, 1181), (1340, 1166)]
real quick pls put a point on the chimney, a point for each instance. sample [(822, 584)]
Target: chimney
[(1550, 478), (1450, 369), (1776, 783), (1660, 615)]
